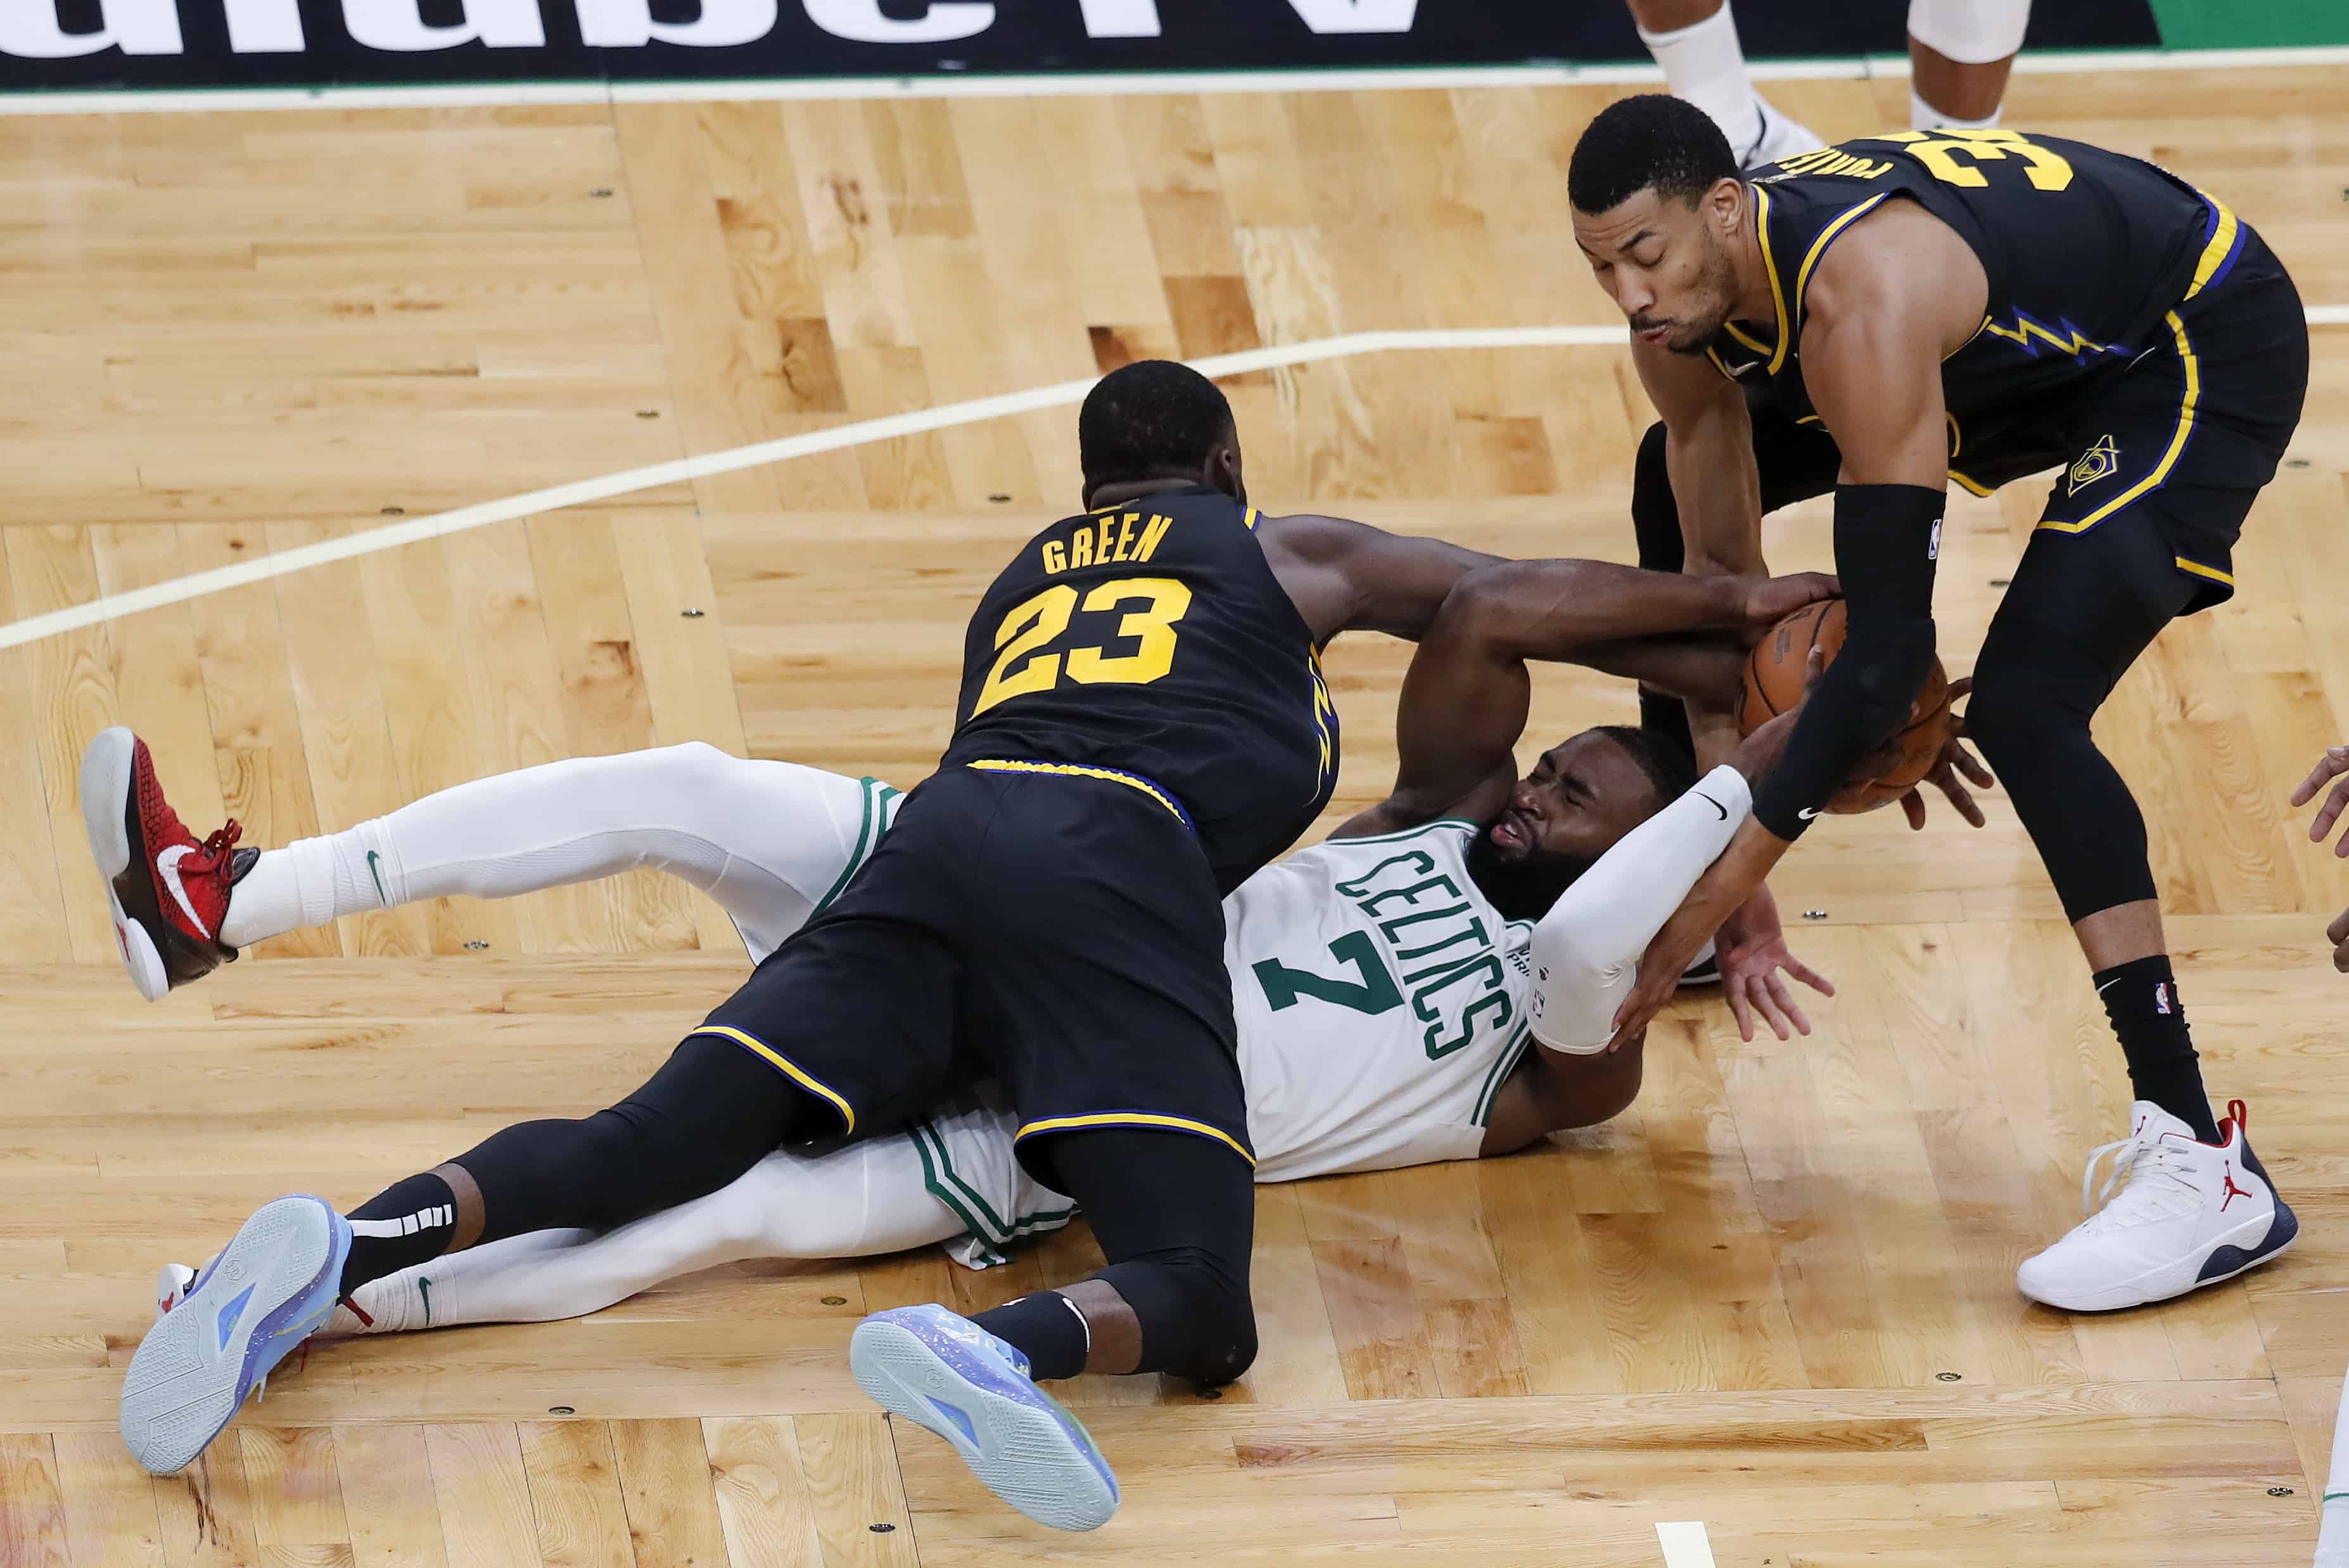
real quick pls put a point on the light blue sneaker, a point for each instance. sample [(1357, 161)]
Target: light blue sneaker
[(943, 1371), (266, 1292)]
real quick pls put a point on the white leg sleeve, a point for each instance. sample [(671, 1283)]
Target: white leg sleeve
[(1970, 32), (1585, 951), (857, 1201), (767, 840)]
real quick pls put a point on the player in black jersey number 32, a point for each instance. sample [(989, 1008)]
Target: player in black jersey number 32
[(1875, 319), (1143, 724)]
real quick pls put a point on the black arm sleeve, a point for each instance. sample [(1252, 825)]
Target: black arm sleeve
[(1887, 538)]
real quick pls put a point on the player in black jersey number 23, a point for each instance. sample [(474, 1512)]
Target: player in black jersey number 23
[(1877, 319), (1143, 724)]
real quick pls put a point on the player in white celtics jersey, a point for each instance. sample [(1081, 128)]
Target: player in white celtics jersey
[(1436, 981)]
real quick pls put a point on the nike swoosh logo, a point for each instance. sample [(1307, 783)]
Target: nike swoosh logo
[(2108, 985), (1807, 812), (378, 879), (168, 864), (1712, 803), (424, 1289)]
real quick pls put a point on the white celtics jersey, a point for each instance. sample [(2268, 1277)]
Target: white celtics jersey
[(1380, 1002)]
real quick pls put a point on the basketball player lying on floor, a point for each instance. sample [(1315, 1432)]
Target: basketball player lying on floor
[(1390, 982)]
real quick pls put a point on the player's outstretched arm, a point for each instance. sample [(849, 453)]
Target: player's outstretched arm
[(1350, 576), (1466, 696), (1586, 952), (1899, 292), (2333, 764)]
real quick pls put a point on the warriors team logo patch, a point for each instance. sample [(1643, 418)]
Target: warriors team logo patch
[(2101, 461)]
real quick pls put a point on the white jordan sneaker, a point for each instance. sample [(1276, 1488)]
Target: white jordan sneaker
[(2192, 1214), (1775, 137)]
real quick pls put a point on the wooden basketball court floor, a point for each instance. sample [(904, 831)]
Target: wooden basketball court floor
[(1776, 1297)]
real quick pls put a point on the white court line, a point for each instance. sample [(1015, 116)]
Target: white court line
[(1685, 1546), (863, 432), (1075, 83)]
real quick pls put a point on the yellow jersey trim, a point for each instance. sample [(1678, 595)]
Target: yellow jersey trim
[(1777, 292), (1819, 247), (1072, 770), (2185, 407), (783, 1064), (1971, 486), (2222, 240), (1714, 356), (1755, 344), (1134, 1119), (2199, 570), (1249, 521)]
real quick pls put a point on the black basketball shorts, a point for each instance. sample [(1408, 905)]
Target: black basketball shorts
[(1057, 930), (2183, 443)]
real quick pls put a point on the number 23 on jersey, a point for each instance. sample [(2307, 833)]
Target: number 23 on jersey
[(1027, 661)]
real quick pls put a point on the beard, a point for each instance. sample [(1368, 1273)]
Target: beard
[(1713, 296), (1522, 887)]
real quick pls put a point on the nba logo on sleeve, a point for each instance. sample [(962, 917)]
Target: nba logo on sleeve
[(1934, 545), (2161, 998)]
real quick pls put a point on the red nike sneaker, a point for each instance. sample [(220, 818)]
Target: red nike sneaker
[(168, 891)]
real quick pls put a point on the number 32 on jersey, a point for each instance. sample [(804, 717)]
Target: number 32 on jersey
[(1154, 607)]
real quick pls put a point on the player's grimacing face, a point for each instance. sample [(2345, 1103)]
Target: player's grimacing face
[(1666, 265), (1583, 794)]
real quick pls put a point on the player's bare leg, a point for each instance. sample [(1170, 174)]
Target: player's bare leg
[(1696, 42), (1960, 55)]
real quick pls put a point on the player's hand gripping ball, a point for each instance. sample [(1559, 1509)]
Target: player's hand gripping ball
[(1774, 683)]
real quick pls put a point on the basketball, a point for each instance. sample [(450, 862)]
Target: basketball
[(1774, 683)]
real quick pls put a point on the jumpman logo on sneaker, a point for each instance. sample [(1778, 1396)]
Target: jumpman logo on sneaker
[(2230, 1190)]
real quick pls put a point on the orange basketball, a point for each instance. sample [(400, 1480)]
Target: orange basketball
[(1774, 683)]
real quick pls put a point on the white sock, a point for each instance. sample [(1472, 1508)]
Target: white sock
[(1703, 64), (310, 882), (1923, 116)]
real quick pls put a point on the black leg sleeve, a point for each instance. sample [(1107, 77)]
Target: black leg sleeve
[(1656, 520), (2081, 611), (1175, 1217), (712, 1112)]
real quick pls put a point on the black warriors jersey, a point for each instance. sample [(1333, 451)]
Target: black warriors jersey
[(2088, 254), (1150, 642)]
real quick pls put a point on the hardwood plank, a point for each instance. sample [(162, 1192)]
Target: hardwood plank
[(664, 1478), (388, 1497), (853, 1483), (575, 1493), (483, 1493), (111, 1518), (32, 1512), (297, 1486), (764, 1500)]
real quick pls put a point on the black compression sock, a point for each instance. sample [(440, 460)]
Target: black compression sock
[(1046, 1327), (2141, 999), (412, 1221)]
